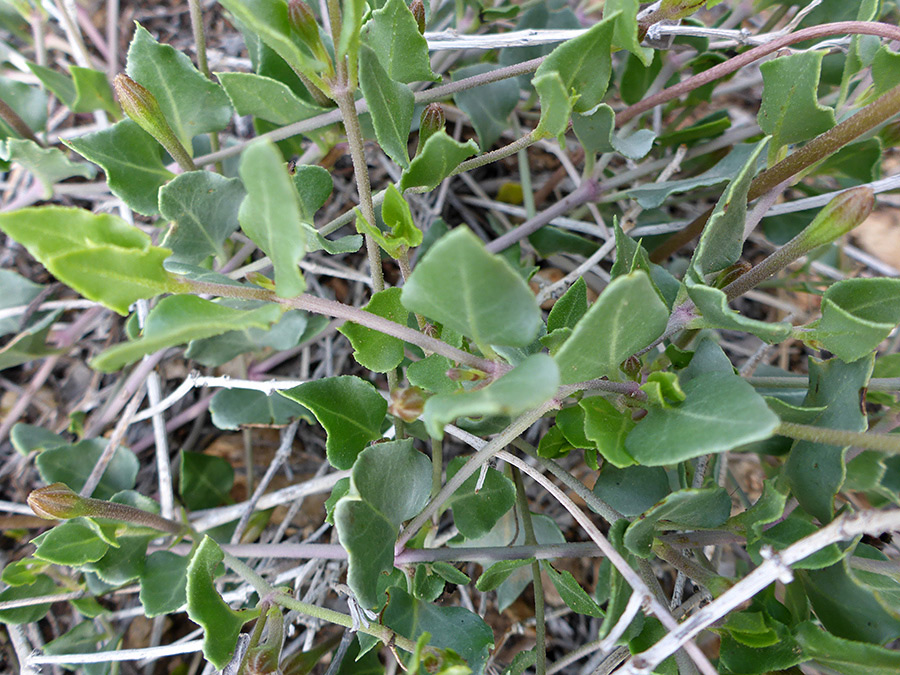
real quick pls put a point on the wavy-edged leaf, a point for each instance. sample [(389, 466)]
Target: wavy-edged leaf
[(715, 313), (475, 512), (435, 161), (72, 464), (393, 34), (163, 583), (234, 408), (597, 133), (372, 349), (49, 165), (390, 105), (70, 543)]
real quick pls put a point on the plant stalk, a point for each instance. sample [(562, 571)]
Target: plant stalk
[(540, 647), (889, 443)]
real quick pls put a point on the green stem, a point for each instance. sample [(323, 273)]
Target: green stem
[(875, 384), (500, 153), (540, 647), (712, 583), (437, 465), (265, 590), (889, 443)]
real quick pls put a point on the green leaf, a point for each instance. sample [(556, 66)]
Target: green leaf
[(44, 585), (453, 628), (72, 464), (178, 319), (29, 103), (24, 571), (202, 207), (713, 305), (846, 656), (618, 590), (163, 583), (626, 317), (314, 186), (632, 490), (686, 509), (368, 518), (191, 103), (390, 105), (750, 628), (270, 215), (721, 411), (789, 531), (352, 12), (131, 159), (450, 574), (575, 597), (527, 386), (123, 564), (885, 67), (234, 408), (815, 471), (205, 481), (61, 85), (453, 279), (92, 92), (99, 255), (857, 314), (71, 543), (489, 105), (372, 349), (790, 110), (556, 105), (569, 309), (584, 64), (597, 133), (83, 638), (205, 607), (350, 409), (17, 291), (476, 512), (607, 427), (722, 240), (499, 572), (397, 216), (435, 161), (266, 98), (393, 34), (626, 32), (48, 165), (767, 509)]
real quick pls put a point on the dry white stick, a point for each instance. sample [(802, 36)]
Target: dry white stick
[(776, 566), (120, 655)]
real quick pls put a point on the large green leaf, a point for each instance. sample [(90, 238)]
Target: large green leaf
[(49, 165), (350, 409), (631, 490), (72, 464), (202, 207), (857, 314), (390, 105), (270, 215), (42, 586), (163, 583), (372, 349), (435, 161), (487, 106), (527, 386), (266, 98), (475, 512), (815, 471), (221, 624), (721, 411), (462, 286), (686, 509), (846, 656), (393, 34), (368, 518), (234, 408), (178, 319), (790, 110), (131, 159), (626, 317), (72, 543)]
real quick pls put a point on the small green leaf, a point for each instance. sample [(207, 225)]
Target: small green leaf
[(42, 586), (131, 159), (28, 102), (728, 409), (476, 512), (72, 464), (17, 291), (221, 624), (885, 69), (686, 509), (163, 583), (205, 480), (92, 92), (48, 165), (352, 12), (499, 572), (556, 105), (390, 105), (457, 271), (61, 85), (350, 409), (397, 216), (234, 408), (607, 427), (266, 98), (71, 543), (314, 186), (487, 106), (789, 531), (857, 314), (575, 597), (270, 215), (435, 161), (394, 35), (178, 319), (372, 349), (597, 133), (713, 305), (846, 656), (790, 110), (632, 490), (24, 571), (626, 32), (568, 310), (202, 207), (450, 574), (527, 386), (627, 316)]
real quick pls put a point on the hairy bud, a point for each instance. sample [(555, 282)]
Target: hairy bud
[(407, 403), (632, 367), (417, 8), (431, 122), (57, 502), (839, 216), (731, 273)]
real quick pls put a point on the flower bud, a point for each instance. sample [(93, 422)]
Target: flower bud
[(632, 367), (57, 502), (304, 23), (840, 215), (731, 273), (407, 403), (261, 661), (431, 122), (418, 11)]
